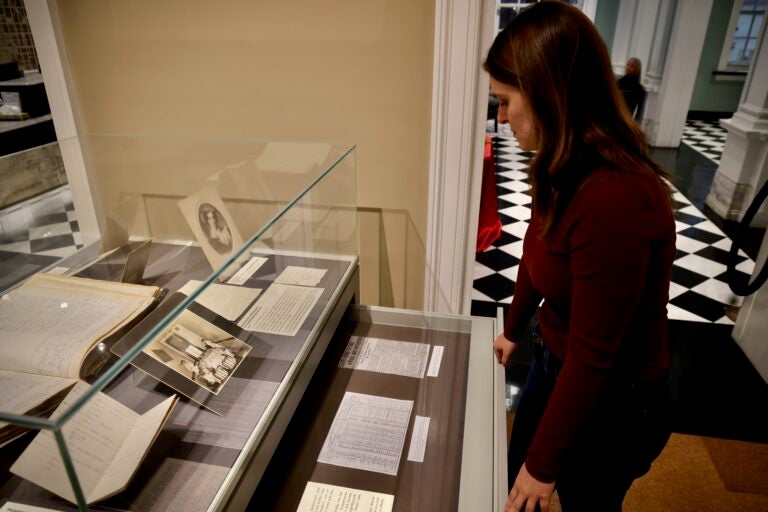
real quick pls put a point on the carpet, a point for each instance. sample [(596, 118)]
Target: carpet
[(742, 466)]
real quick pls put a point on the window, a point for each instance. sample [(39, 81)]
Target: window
[(744, 28), (506, 10)]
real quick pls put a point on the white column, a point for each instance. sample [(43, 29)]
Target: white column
[(662, 30), (744, 164), (45, 26), (667, 108), (622, 38), (463, 33)]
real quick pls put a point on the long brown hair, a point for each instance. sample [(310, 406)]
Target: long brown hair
[(554, 55)]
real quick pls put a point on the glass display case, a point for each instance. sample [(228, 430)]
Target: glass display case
[(222, 271), (211, 352)]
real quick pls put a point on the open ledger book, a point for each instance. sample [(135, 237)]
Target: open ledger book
[(48, 326), (106, 441)]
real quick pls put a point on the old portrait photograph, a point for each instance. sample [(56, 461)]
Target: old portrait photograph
[(198, 351), (215, 228), (212, 226)]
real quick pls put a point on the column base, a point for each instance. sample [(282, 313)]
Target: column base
[(728, 198), (743, 167)]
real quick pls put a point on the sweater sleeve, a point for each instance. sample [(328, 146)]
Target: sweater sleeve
[(524, 303), (609, 249)]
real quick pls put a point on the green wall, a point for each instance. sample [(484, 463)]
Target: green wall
[(710, 95), (605, 20)]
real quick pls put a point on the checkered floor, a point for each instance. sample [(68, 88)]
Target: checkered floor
[(698, 291), (706, 137), (45, 225)]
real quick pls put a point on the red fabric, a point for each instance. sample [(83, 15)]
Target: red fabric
[(488, 223), (604, 273)]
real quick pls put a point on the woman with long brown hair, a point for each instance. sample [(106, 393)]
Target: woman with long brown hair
[(596, 408)]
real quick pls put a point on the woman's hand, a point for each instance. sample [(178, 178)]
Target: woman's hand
[(503, 349), (528, 492)]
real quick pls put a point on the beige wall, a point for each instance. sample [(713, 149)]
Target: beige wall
[(346, 71)]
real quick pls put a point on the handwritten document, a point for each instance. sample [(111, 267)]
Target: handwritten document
[(386, 356), (224, 300), (51, 322), (332, 498), (302, 276), (281, 309), (24, 391), (368, 433), (106, 441)]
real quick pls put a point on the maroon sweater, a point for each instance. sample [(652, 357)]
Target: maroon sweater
[(603, 272)]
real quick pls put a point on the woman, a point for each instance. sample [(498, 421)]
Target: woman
[(596, 407), (631, 88)]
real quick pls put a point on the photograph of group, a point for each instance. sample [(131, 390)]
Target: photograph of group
[(198, 351)]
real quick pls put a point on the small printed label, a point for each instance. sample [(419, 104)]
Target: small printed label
[(434, 363), (419, 439), (245, 273)]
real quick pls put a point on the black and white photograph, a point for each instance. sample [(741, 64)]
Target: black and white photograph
[(199, 351), (214, 227)]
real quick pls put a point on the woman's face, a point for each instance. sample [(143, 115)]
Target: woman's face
[(515, 110)]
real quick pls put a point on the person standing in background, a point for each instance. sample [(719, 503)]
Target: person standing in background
[(631, 88)]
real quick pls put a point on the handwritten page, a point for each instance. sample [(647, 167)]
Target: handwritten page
[(51, 322), (98, 437), (282, 309), (332, 498), (181, 486), (386, 356), (22, 392), (301, 276), (368, 433), (224, 300)]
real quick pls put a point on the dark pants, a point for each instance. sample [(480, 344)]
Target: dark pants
[(626, 432)]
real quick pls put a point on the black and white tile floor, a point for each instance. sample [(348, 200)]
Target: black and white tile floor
[(706, 137), (698, 291), (45, 225)]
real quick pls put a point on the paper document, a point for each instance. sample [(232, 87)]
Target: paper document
[(106, 441), (368, 433), (302, 276), (224, 300), (386, 356), (51, 322), (332, 498), (247, 270), (24, 391), (281, 309)]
